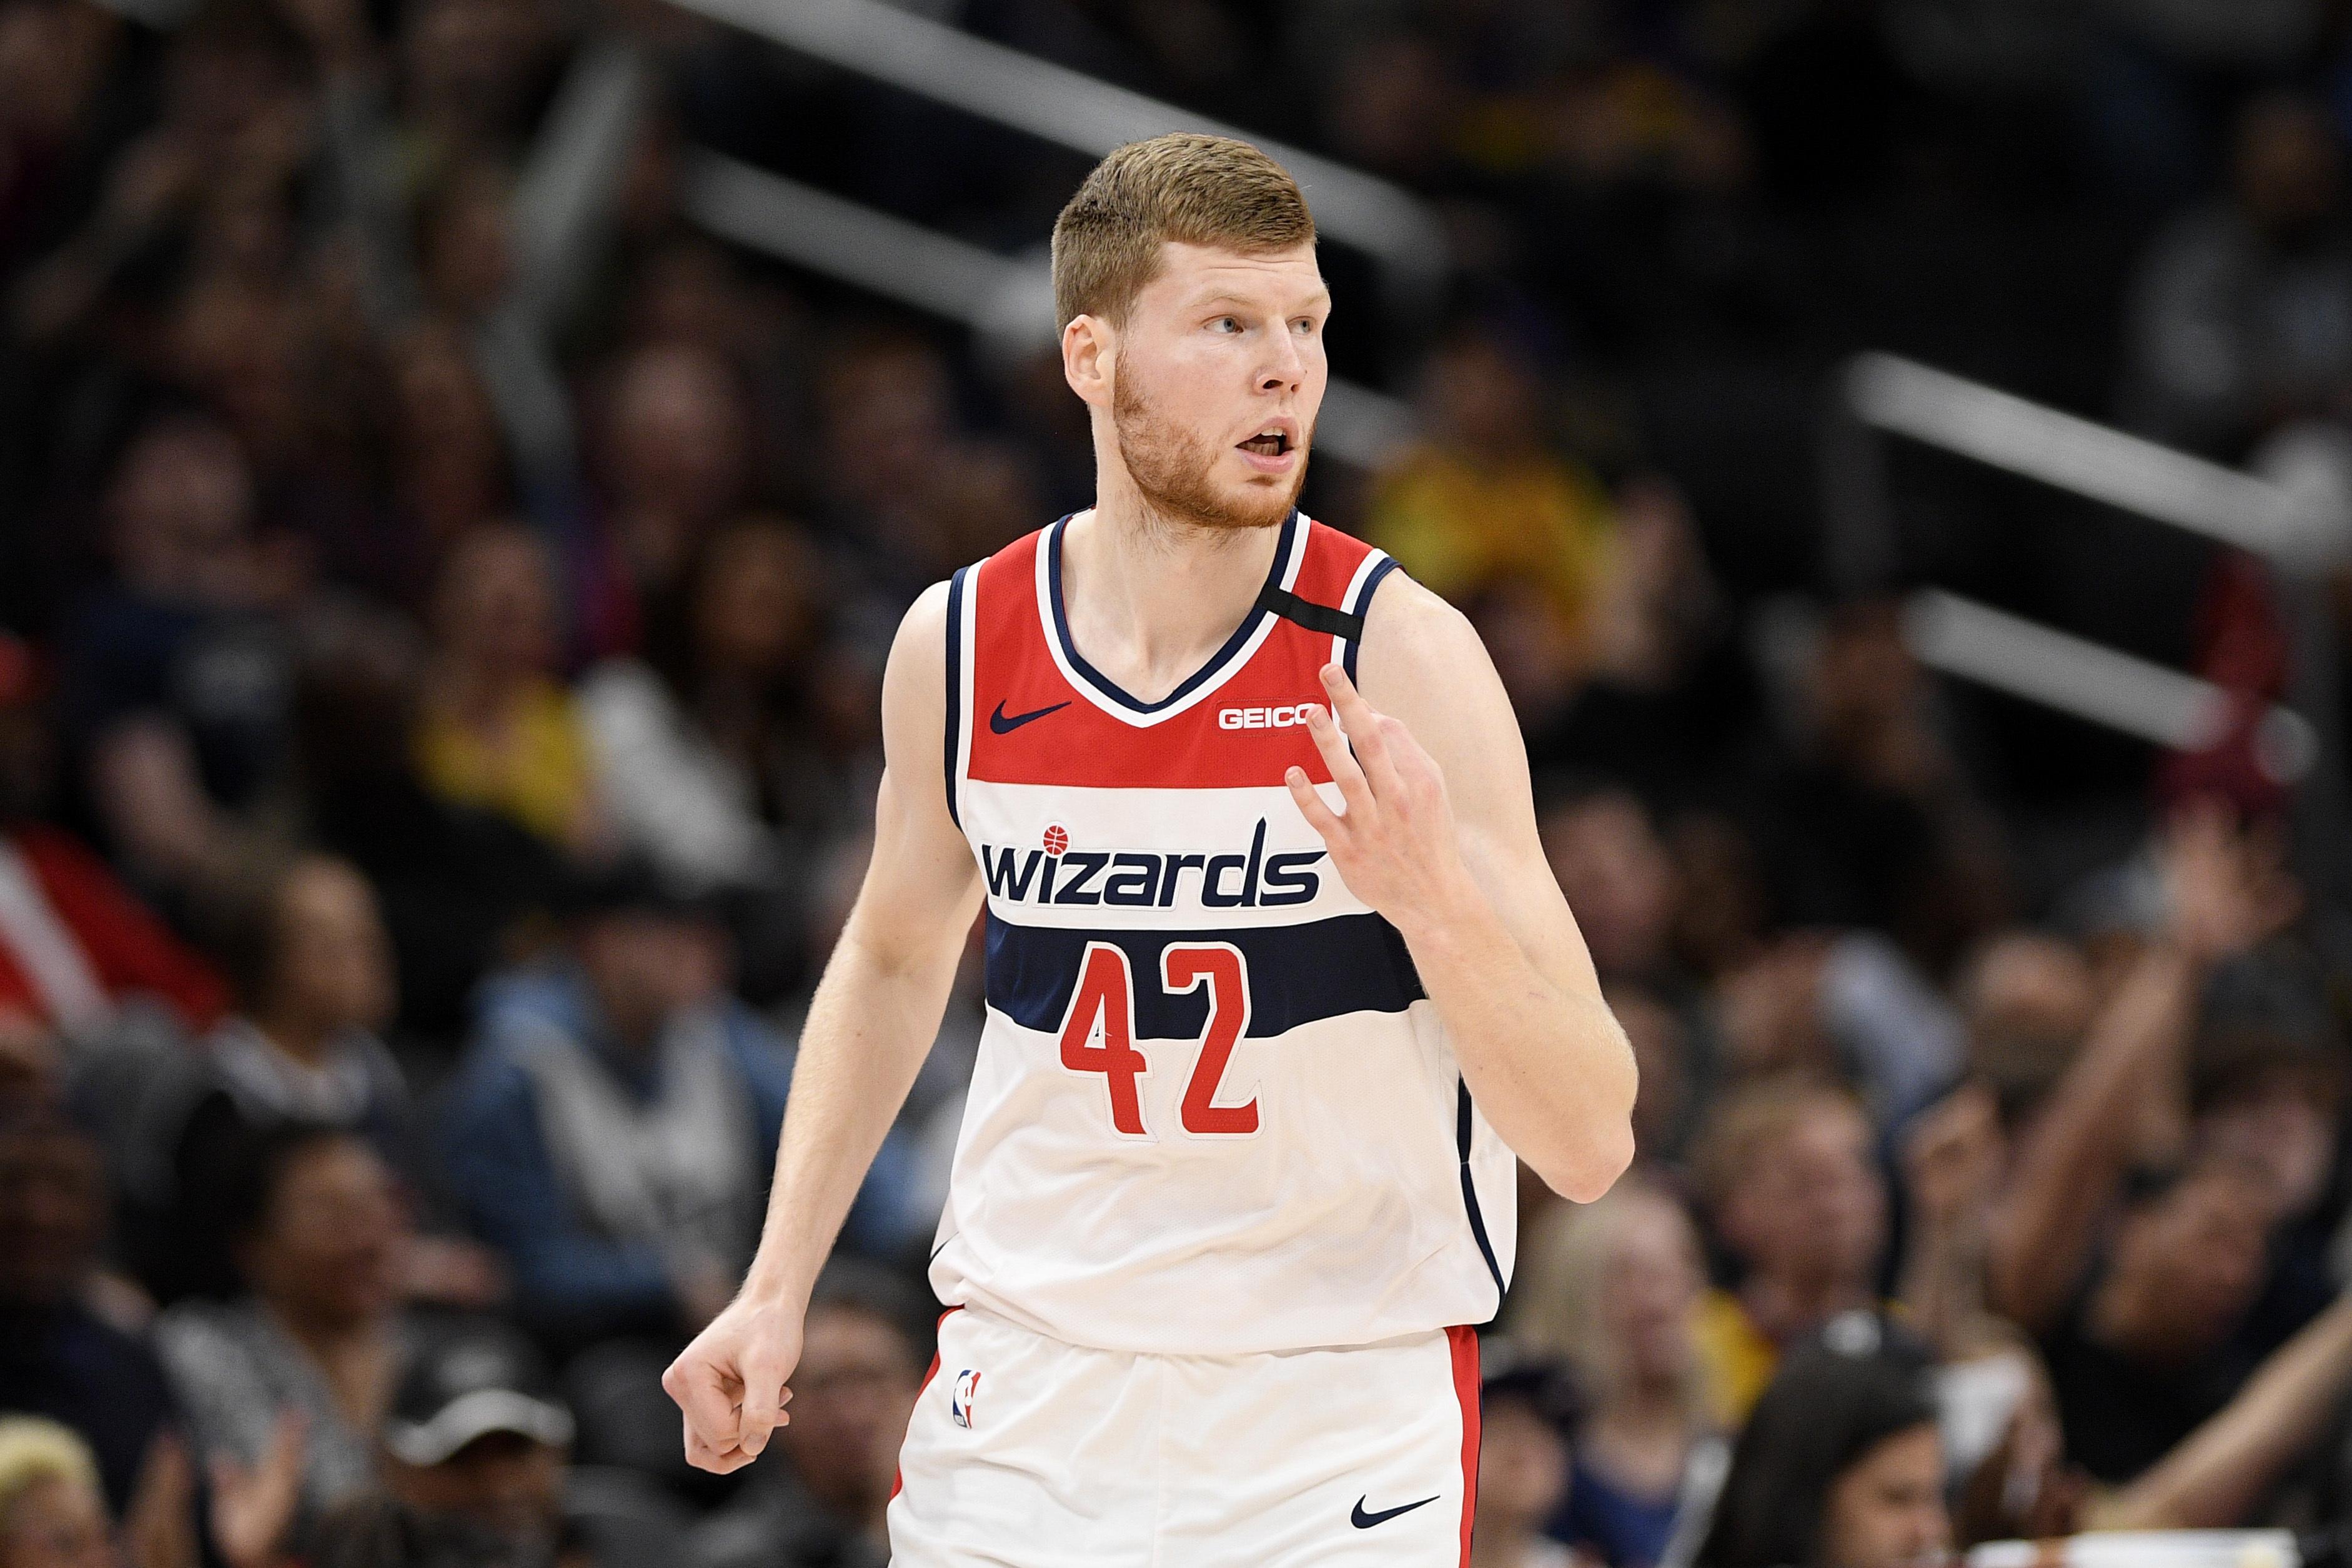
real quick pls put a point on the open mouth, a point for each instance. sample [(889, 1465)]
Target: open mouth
[(1269, 443)]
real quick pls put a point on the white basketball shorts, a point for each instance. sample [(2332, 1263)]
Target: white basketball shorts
[(1025, 1452)]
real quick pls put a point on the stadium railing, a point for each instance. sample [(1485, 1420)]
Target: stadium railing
[(1055, 104), (2301, 536)]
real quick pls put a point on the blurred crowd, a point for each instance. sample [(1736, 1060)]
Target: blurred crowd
[(443, 593)]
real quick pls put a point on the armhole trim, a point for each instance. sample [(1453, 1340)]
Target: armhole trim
[(1465, 1132), (1362, 610), (954, 703)]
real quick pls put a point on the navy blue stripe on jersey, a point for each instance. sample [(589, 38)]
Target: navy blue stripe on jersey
[(1463, 1128), (1361, 608), (1298, 974), (1052, 545), (955, 682)]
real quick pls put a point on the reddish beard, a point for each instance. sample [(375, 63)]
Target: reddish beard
[(1171, 467)]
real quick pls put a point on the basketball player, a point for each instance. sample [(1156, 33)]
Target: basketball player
[(1278, 981)]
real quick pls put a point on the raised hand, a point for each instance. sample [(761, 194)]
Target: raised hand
[(729, 1383), (2226, 890), (1393, 840), (159, 1527), (252, 1508), (1952, 1158)]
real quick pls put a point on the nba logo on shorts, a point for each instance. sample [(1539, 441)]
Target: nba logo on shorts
[(967, 1383)]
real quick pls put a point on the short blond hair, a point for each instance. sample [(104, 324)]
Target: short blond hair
[(34, 1449), (1181, 187), (1555, 1305)]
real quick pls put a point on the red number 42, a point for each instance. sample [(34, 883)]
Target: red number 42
[(1098, 1035)]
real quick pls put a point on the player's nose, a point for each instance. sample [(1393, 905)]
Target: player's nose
[(1284, 369)]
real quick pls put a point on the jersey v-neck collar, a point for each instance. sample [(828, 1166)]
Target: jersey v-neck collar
[(1289, 550)]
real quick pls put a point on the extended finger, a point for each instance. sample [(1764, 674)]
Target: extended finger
[(1364, 732), (1319, 817), (1355, 790)]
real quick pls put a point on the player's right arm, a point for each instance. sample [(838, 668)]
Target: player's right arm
[(869, 1026)]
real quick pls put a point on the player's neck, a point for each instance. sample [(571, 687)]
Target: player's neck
[(1151, 599)]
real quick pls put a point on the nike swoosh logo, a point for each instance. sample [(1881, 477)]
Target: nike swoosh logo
[(1363, 1521), (1004, 726)]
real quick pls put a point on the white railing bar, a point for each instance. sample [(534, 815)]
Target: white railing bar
[(1081, 112), (2090, 680), (843, 239), (952, 278), (2089, 460)]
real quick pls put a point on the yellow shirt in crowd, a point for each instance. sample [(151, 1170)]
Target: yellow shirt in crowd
[(1458, 526), (540, 776), (1739, 1359)]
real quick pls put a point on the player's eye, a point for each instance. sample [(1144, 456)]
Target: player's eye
[(1305, 326), (1226, 324)]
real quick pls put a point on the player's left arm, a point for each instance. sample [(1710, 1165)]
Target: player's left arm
[(1437, 832)]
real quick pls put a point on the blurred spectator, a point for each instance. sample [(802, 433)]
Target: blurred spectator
[(820, 1504), (1841, 1464), (677, 463), (74, 941), (307, 950), (890, 441), (611, 1133), (1614, 1288), (1665, 701), (59, 1357), (611, 1129), (2027, 1486), (2272, 1101), (1874, 822), (2143, 1355), (448, 466), (496, 730), (53, 58), (2026, 999), (1525, 1413), (1955, 1156), (699, 751), (175, 680), (2166, 1283), (458, 882), (51, 1513), (703, 763), (1608, 862), (285, 1388), (2242, 315), (314, 977), (1390, 106), (1896, 1035), (1488, 502), (1794, 1194), (474, 1451)]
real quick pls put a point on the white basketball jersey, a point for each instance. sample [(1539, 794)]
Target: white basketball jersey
[(1214, 1112)]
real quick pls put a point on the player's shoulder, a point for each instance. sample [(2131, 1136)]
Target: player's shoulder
[(926, 620), (1422, 661), (1401, 614)]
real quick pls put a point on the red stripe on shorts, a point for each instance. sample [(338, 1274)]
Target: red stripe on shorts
[(899, 1477), (1464, 1345)]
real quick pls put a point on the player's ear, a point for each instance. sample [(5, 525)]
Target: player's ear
[(1086, 344)]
